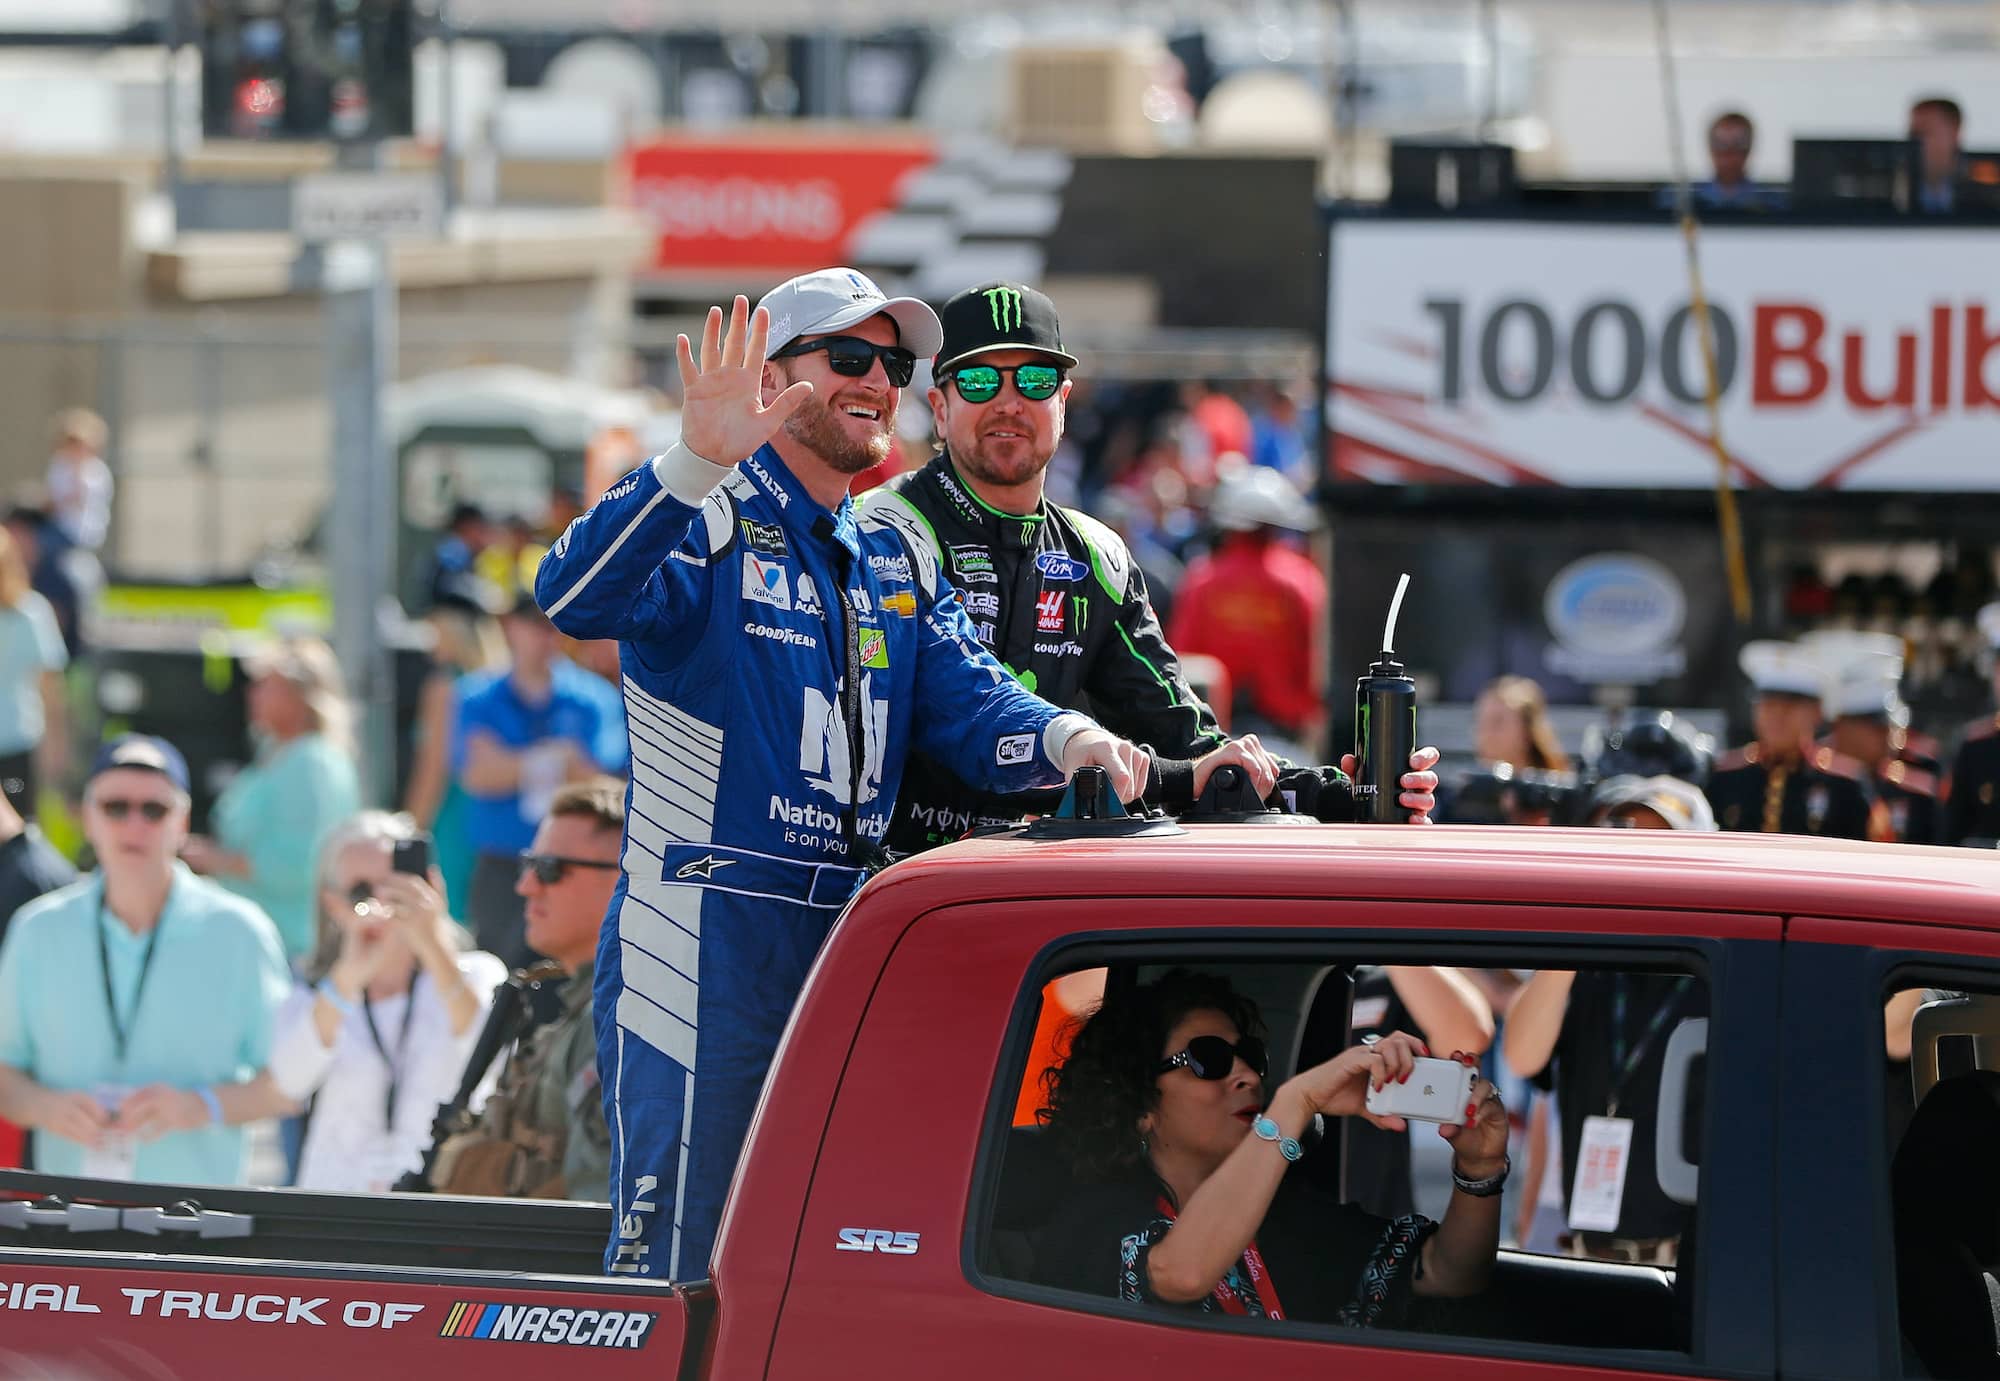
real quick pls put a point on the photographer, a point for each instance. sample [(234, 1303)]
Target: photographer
[(542, 1132), (1181, 1151), (397, 996)]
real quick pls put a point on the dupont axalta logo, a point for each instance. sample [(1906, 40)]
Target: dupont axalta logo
[(1005, 306), (538, 1323)]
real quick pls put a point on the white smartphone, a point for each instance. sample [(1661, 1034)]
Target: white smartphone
[(1437, 1091)]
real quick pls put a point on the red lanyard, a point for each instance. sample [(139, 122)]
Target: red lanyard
[(1253, 1266)]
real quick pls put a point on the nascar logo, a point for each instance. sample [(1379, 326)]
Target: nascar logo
[(537, 1323)]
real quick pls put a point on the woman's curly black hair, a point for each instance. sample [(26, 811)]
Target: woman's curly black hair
[(1096, 1096)]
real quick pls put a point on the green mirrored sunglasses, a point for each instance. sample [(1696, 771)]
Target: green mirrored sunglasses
[(978, 383)]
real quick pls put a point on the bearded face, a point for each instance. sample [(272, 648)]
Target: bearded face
[(850, 433)]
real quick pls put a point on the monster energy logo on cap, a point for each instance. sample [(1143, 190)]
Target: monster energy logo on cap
[(1000, 316), (1005, 305)]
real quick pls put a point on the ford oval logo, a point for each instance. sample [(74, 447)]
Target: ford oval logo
[(1615, 605), (1058, 565)]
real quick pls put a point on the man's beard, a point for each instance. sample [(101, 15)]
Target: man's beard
[(1028, 461), (815, 427)]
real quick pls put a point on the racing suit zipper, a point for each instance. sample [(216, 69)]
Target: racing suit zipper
[(860, 852)]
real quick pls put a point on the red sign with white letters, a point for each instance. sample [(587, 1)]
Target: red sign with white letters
[(784, 204)]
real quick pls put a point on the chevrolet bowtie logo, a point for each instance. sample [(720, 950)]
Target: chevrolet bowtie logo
[(703, 867)]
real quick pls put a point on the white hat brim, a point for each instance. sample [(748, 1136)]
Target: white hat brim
[(918, 329)]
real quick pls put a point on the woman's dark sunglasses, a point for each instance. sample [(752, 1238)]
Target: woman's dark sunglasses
[(1212, 1057), (117, 809), (978, 383), (854, 357), (549, 868)]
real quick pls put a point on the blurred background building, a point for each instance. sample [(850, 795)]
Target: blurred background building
[(1418, 255)]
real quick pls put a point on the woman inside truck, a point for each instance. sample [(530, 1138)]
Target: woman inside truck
[(1181, 1157)]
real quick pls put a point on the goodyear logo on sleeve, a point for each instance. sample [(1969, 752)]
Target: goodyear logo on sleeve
[(626, 1329)]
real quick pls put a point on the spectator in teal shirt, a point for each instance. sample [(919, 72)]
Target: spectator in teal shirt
[(276, 813), (137, 1005)]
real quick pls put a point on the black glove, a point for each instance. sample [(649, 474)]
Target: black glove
[(1324, 793)]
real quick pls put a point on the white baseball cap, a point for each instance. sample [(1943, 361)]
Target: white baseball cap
[(829, 300)]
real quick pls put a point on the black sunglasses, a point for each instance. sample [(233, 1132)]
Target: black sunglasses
[(1212, 1057), (980, 383), (549, 868), (854, 357), (152, 811)]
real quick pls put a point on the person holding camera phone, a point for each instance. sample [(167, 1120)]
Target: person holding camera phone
[(1182, 1153), (394, 1000)]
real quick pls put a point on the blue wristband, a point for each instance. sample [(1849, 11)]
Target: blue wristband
[(212, 1103), (325, 989)]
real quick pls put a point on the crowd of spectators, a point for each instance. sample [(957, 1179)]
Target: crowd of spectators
[(345, 994)]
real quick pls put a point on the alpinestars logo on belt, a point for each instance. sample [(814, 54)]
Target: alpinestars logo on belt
[(1005, 306)]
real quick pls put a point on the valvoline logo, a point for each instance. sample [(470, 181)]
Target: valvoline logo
[(1060, 565)]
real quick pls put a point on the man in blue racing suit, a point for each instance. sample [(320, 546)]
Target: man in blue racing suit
[(780, 658)]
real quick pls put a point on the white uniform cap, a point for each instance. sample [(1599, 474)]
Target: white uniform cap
[(1864, 688), (1864, 670), (1989, 625), (826, 301), (1781, 668)]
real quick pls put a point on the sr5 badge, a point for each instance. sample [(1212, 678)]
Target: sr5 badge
[(878, 1240)]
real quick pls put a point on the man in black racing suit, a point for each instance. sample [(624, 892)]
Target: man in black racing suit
[(1053, 593)]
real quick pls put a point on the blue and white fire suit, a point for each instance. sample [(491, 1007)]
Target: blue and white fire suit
[(759, 779)]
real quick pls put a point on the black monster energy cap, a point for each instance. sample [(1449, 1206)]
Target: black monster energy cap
[(1000, 316)]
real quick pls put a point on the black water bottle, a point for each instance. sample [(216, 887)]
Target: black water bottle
[(1385, 729)]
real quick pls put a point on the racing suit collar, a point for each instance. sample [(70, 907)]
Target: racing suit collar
[(1015, 531), (798, 509)]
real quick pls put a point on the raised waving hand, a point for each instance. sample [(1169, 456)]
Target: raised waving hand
[(723, 416)]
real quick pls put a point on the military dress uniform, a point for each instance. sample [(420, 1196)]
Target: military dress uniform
[(1865, 686), (1972, 791), (1972, 808), (1910, 794), (1810, 790), (1817, 793)]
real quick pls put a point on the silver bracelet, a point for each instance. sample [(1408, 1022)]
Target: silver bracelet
[(1486, 1188), (1267, 1130)]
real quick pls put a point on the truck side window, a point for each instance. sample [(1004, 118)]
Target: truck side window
[(1597, 1221), (1943, 1117)]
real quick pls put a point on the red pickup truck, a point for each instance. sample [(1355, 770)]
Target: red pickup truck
[(884, 1217)]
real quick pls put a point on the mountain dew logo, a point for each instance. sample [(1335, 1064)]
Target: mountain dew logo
[(1004, 304), (874, 649)]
